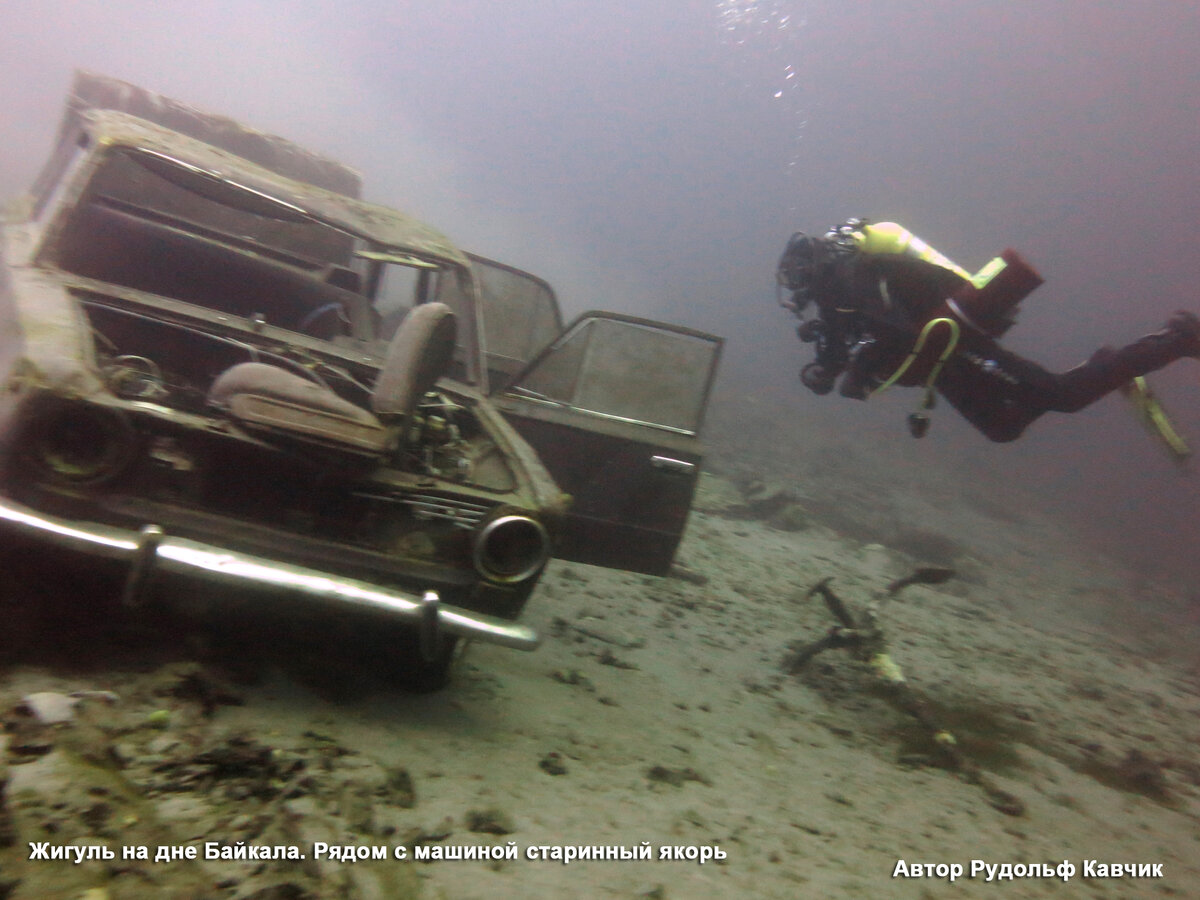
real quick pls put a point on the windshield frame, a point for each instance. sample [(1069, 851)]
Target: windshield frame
[(426, 250)]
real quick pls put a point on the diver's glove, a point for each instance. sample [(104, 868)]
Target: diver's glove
[(817, 378), (855, 386), (811, 330)]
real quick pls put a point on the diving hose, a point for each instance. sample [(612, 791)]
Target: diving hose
[(918, 421)]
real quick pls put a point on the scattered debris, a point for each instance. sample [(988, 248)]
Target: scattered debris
[(607, 658), (48, 707), (1135, 773), (398, 789), (159, 718), (775, 505), (685, 573), (764, 499), (573, 677), (490, 821), (243, 766), (1145, 773), (194, 683), (675, 777), (792, 517), (552, 764), (54, 708), (591, 628)]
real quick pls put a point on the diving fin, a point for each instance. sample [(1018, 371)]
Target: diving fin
[(1154, 417)]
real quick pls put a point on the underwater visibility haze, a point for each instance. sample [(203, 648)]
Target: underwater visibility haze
[(654, 158)]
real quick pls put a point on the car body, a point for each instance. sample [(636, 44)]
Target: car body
[(215, 359)]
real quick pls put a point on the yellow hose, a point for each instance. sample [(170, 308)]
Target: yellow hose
[(955, 331)]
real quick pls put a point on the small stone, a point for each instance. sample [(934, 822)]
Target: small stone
[(607, 658), (552, 764), (790, 517), (162, 745), (399, 789), (48, 707), (685, 573), (675, 777), (489, 821), (593, 628), (573, 677), (160, 718)]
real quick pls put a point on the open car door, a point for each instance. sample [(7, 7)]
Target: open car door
[(613, 406)]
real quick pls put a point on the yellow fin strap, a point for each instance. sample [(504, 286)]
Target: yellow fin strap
[(1155, 418)]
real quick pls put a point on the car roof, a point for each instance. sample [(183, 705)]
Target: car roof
[(378, 224)]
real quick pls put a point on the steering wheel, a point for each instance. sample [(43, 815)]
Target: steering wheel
[(316, 315)]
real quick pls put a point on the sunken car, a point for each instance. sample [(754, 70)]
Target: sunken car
[(217, 362)]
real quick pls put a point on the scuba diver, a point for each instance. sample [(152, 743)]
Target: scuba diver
[(892, 310)]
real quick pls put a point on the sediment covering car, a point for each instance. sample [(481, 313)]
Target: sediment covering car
[(215, 359)]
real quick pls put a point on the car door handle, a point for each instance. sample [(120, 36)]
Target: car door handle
[(669, 464)]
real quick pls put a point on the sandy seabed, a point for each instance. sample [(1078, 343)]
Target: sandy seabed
[(659, 713)]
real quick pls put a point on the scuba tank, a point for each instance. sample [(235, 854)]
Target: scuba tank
[(987, 303), (984, 303), (892, 239)]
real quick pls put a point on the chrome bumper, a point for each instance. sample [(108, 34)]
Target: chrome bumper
[(150, 549)]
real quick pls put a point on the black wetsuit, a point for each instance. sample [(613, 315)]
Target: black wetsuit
[(872, 309)]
